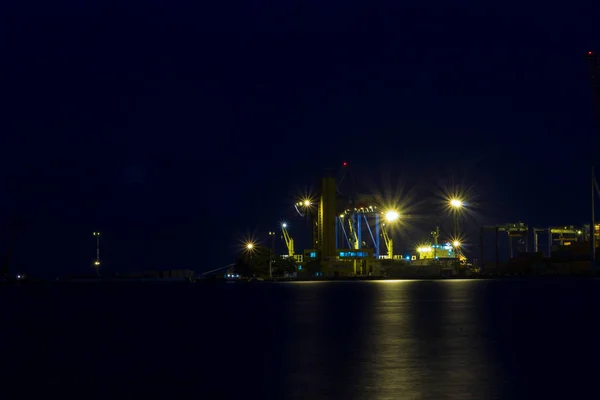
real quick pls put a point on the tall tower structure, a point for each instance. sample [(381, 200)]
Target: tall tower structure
[(594, 65), (326, 219)]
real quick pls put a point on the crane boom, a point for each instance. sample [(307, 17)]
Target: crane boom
[(289, 242)]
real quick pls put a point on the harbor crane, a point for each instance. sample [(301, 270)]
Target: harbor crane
[(289, 242), (389, 244)]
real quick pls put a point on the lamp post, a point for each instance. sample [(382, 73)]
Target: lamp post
[(97, 261), (250, 247), (456, 245), (436, 236), (390, 217), (455, 205), (271, 253)]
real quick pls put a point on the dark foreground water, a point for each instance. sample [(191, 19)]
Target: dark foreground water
[(518, 339)]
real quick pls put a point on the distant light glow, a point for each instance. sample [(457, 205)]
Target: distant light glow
[(284, 225), (345, 164), (456, 243), (249, 246)]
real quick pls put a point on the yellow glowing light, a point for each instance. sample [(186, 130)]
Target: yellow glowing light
[(456, 243), (250, 246), (306, 203), (456, 203), (424, 249), (96, 262), (391, 216)]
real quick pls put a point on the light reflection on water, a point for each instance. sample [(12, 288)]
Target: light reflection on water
[(412, 340), (388, 339), (517, 339)]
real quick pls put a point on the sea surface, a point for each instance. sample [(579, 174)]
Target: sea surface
[(450, 339)]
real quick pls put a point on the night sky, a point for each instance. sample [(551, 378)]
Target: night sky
[(178, 131)]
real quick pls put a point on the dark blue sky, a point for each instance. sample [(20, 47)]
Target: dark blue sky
[(176, 130)]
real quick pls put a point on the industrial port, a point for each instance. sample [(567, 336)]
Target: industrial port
[(350, 238)]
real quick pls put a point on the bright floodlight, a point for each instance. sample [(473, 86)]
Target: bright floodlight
[(456, 203), (284, 225), (250, 246), (456, 243), (306, 203), (391, 216)]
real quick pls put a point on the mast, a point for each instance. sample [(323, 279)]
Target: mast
[(594, 65)]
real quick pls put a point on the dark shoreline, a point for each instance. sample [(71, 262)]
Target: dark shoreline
[(332, 279)]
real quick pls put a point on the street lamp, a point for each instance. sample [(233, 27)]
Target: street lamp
[(392, 216), (303, 206), (456, 205)]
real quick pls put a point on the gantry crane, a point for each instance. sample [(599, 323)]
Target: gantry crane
[(289, 242)]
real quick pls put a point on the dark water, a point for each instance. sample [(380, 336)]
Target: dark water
[(519, 339)]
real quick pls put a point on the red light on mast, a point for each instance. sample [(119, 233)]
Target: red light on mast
[(345, 164), (589, 53)]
